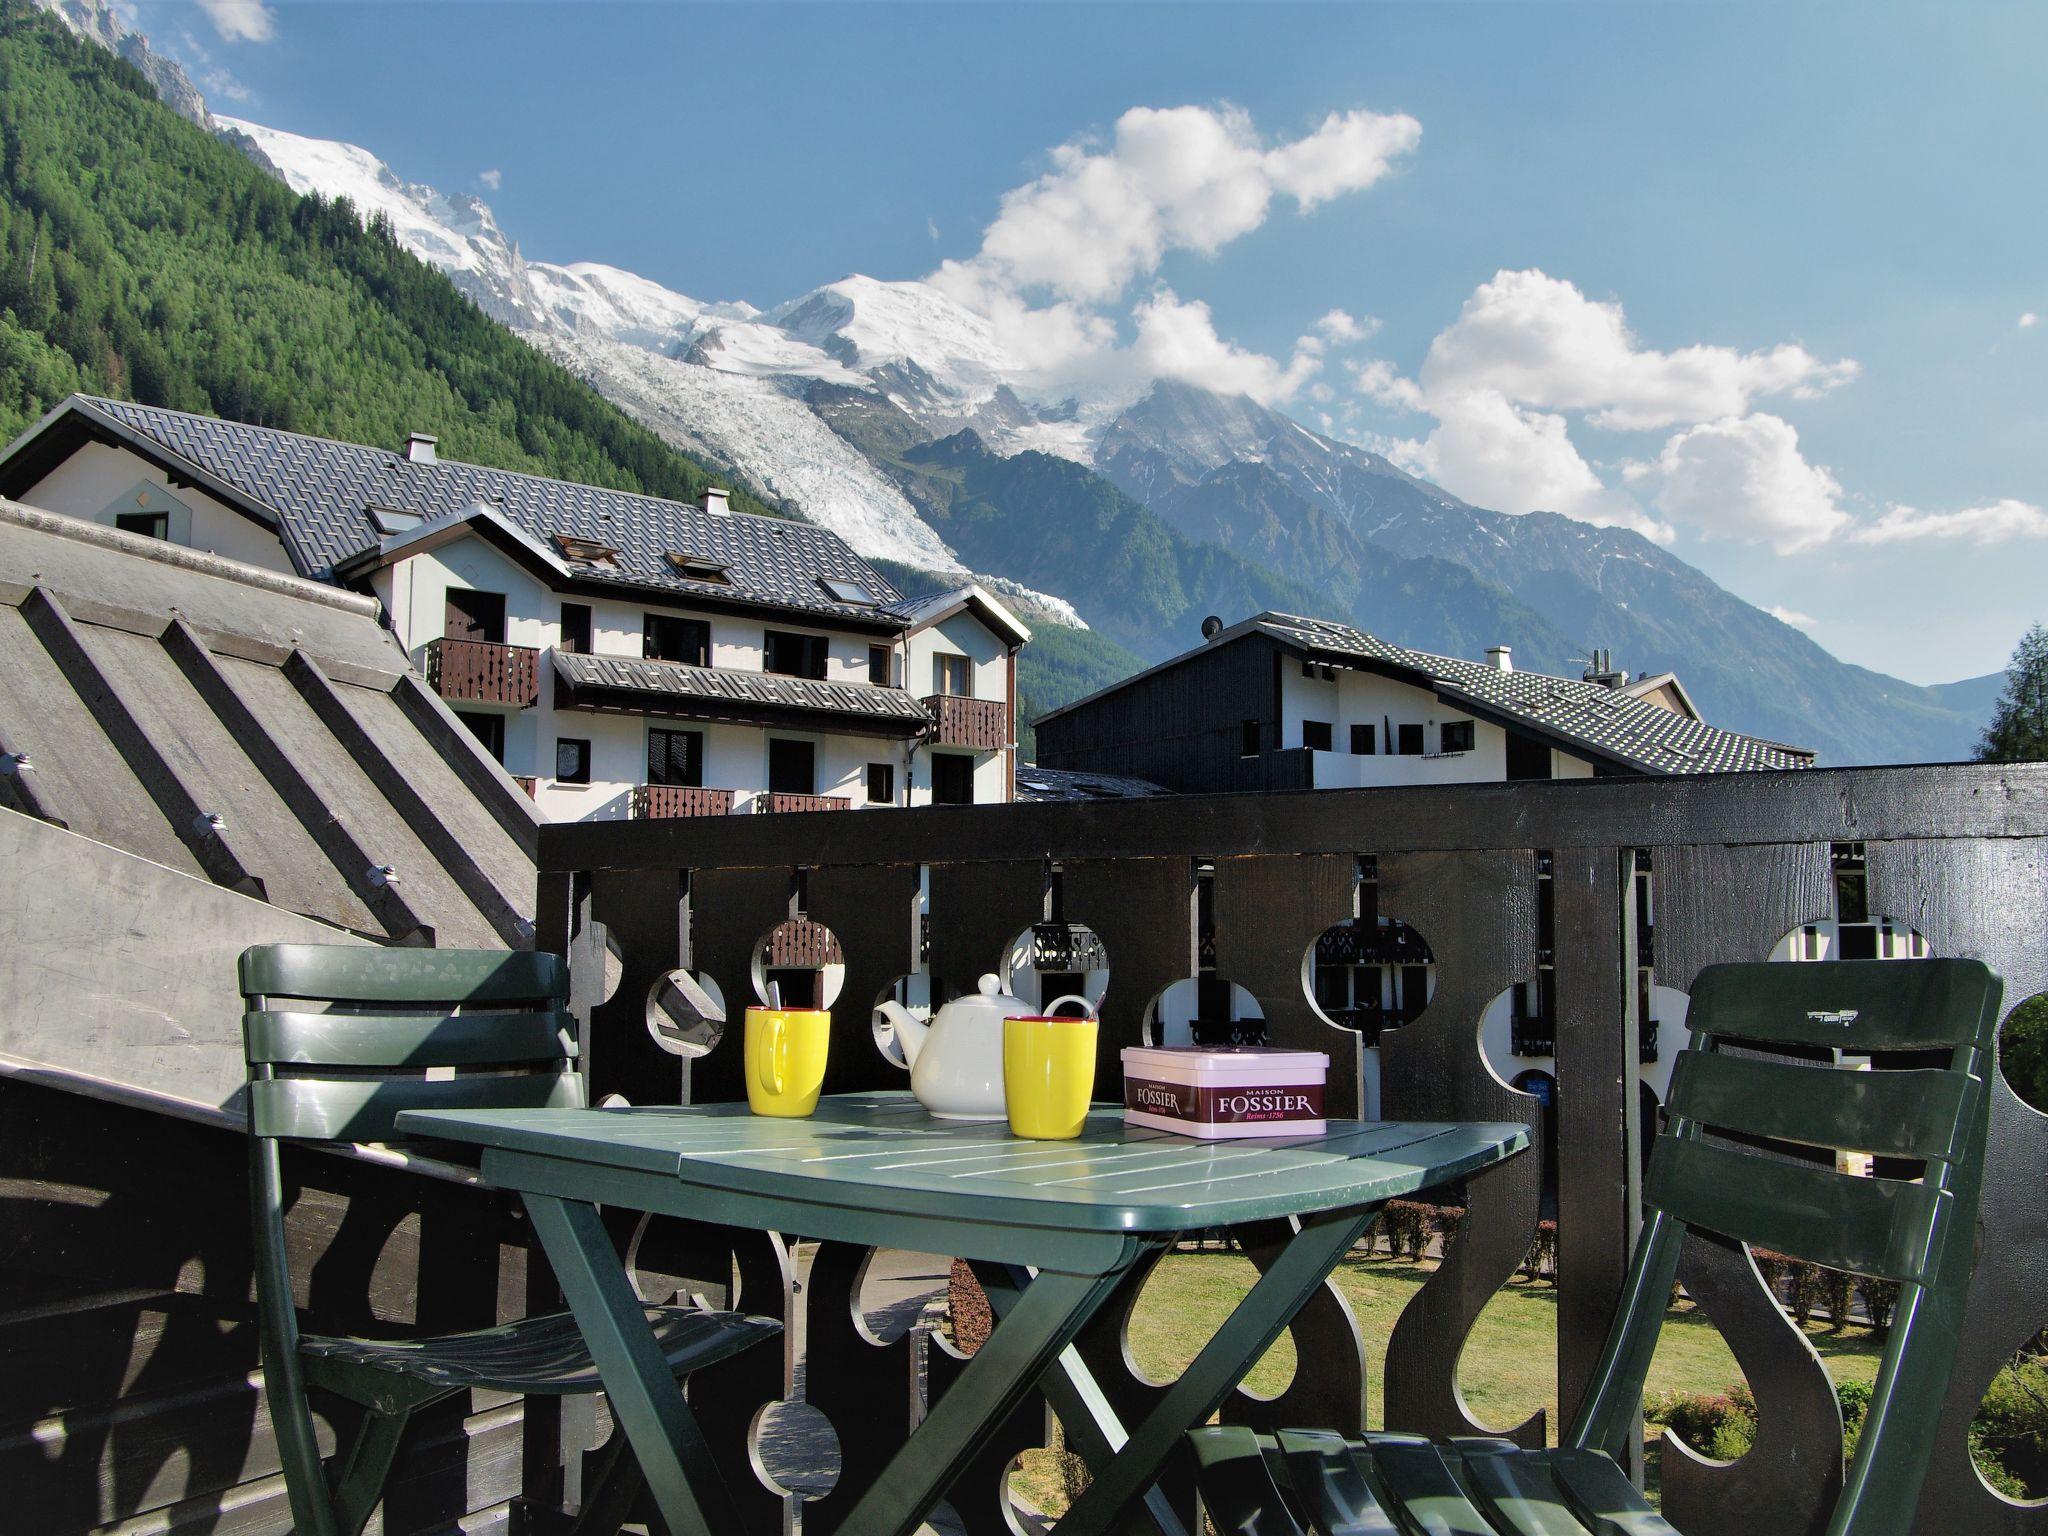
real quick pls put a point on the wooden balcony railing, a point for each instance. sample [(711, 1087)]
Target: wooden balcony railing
[(525, 783), (983, 724), (774, 801), (655, 802), (1487, 875), (479, 672)]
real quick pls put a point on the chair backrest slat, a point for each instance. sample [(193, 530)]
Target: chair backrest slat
[(366, 974), (1857, 1006), (1902, 1114), (348, 1039), (364, 1109), (1882, 1227)]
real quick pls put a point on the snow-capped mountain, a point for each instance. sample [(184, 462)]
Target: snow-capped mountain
[(97, 22)]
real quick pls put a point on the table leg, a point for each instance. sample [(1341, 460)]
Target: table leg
[(1246, 1334), (1020, 1349), (1095, 1431), (681, 1473)]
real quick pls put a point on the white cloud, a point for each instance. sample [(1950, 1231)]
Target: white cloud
[(241, 21), (1177, 339), (1498, 454), (493, 178), (931, 227), (1743, 477), (1539, 341), (1174, 178), (1992, 523), (1791, 616), (1343, 329), (1377, 379), (1065, 248), (2029, 320)]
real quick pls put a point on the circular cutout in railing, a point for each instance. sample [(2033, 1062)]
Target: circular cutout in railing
[(2011, 1427), (2023, 1055), (799, 963), (897, 1290), (686, 1013), (1369, 976), (1518, 1032), (794, 1449), (1205, 1010), (912, 994), (1053, 960), (614, 966)]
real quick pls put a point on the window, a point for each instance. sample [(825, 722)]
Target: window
[(151, 525), (1411, 740), (697, 568), (575, 628), (675, 757), (790, 655), (1361, 741), (1455, 736), (572, 760), (878, 665), (792, 767), (585, 551), (846, 591), (881, 783), (474, 616), (667, 638), (1248, 739), (488, 729), (1315, 735), (952, 779), (951, 675)]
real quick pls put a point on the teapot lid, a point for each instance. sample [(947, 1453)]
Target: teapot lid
[(990, 985)]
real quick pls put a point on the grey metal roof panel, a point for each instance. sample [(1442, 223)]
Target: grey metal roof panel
[(1040, 785), (729, 687), (153, 688), (323, 491), (1608, 721)]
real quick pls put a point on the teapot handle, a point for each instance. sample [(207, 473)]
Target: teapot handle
[(1087, 1008)]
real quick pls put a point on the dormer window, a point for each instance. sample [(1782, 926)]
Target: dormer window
[(698, 568), (842, 591), (585, 551), (391, 520)]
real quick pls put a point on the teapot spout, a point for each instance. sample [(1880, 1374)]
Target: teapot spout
[(911, 1032)]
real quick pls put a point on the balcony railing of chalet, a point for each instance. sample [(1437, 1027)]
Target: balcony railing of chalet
[(983, 724), (527, 783), (1735, 863), (653, 802), (779, 800), (480, 672)]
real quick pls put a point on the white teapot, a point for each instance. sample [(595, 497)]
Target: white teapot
[(956, 1061)]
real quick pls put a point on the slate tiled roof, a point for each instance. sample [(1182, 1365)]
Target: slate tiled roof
[(1054, 784), (724, 688), (1612, 723), (322, 491)]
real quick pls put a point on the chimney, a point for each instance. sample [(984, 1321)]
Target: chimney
[(714, 501), (419, 448), (1500, 658), (1600, 669)]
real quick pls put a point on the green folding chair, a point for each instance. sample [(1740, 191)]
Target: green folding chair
[(1919, 1232), (340, 1040)]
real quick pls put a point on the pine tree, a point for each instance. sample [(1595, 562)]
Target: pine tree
[(2018, 732)]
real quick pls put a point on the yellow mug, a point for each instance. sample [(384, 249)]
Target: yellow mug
[(785, 1050), (1049, 1073)]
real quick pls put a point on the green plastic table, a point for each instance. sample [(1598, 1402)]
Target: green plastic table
[(1052, 1227)]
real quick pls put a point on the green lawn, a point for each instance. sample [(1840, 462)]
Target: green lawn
[(1510, 1365)]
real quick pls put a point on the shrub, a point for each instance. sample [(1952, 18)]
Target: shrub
[(1880, 1301), (1406, 1225), (1540, 1262), (1717, 1424), (1835, 1287)]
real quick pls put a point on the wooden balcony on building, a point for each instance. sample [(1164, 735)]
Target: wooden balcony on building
[(481, 672), (655, 802), (983, 724), (527, 784), (773, 801)]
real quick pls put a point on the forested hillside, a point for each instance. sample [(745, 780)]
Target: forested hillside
[(144, 258)]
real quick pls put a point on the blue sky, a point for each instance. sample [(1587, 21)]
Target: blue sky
[(1841, 206)]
